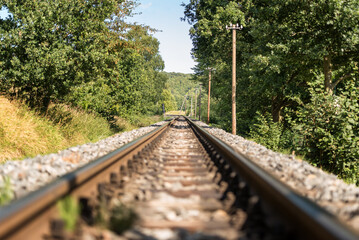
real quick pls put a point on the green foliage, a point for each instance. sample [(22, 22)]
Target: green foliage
[(6, 193), (329, 126), (136, 84), (51, 46), (88, 127), (69, 211), (180, 84), (122, 218), (283, 48), (117, 217), (169, 100), (80, 52), (266, 132)]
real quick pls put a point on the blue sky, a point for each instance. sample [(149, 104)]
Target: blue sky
[(3, 13), (175, 43)]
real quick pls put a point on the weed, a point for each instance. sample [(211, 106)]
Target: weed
[(69, 211), (122, 218), (6, 194), (118, 218), (102, 214)]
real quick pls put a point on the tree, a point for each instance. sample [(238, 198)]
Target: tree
[(169, 100), (284, 48), (321, 34), (80, 52), (49, 46)]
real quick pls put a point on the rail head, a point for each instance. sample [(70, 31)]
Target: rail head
[(23, 210), (314, 220)]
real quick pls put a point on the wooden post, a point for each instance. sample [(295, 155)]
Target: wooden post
[(195, 103), (209, 95), (234, 28), (199, 110), (191, 114), (234, 62)]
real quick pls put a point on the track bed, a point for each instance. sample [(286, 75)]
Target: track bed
[(175, 195), (176, 182)]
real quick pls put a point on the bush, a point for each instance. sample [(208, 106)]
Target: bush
[(329, 125), (266, 132)]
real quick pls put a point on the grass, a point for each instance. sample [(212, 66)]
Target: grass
[(69, 211), (78, 126), (6, 194), (134, 121), (27, 133), (175, 113), (24, 134)]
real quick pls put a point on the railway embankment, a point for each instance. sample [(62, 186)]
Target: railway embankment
[(325, 189)]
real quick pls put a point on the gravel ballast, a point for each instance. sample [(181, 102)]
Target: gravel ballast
[(336, 196), (30, 174)]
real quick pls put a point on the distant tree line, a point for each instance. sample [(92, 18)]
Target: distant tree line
[(181, 85), (297, 74), (80, 52)]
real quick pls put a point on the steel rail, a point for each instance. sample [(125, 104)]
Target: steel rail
[(24, 218), (312, 220)]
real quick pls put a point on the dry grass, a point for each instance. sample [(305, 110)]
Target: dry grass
[(24, 134), (175, 113)]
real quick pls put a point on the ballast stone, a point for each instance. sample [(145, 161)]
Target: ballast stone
[(326, 189), (30, 174)]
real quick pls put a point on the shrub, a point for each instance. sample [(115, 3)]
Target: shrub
[(329, 125), (266, 132)]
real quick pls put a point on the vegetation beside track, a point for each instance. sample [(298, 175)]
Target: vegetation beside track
[(297, 74), (86, 55), (25, 132)]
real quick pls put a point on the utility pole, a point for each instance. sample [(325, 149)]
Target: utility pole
[(195, 103), (234, 28), (199, 110), (209, 93), (191, 114)]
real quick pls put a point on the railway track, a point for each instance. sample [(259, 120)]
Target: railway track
[(179, 182)]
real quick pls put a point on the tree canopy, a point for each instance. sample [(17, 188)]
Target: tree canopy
[(80, 52), (291, 56)]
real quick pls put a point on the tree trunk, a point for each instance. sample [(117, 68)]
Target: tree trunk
[(45, 103), (327, 68), (277, 106)]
